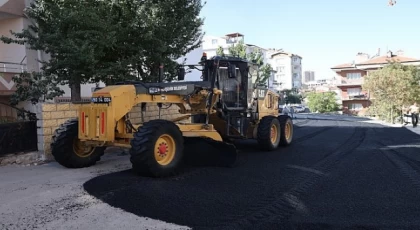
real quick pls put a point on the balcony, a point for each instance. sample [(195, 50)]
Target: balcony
[(10, 67), (351, 82), (7, 71), (11, 8), (356, 97)]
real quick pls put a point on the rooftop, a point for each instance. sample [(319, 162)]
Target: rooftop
[(234, 35), (385, 59), (378, 60), (285, 53)]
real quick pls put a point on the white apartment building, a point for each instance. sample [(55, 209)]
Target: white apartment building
[(288, 69)]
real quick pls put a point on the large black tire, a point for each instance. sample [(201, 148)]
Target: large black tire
[(264, 133), (286, 125), (62, 147), (143, 148)]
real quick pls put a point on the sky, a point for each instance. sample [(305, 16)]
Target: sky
[(324, 33)]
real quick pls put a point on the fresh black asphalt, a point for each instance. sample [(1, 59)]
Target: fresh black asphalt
[(335, 175)]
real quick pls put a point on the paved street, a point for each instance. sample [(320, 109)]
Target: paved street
[(336, 175)]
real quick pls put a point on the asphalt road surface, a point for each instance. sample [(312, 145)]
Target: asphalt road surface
[(335, 175)]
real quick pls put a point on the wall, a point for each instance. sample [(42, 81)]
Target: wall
[(364, 103), (85, 90), (12, 7), (7, 111), (11, 52), (297, 71), (285, 77), (51, 115), (343, 77)]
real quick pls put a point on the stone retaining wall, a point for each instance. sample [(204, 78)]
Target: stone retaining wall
[(51, 115)]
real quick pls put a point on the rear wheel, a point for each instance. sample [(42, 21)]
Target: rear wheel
[(268, 133), (286, 125), (69, 151), (157, 149)]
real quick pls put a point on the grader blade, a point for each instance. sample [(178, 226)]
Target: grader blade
[(202, 151)]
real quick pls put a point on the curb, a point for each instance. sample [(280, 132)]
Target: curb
[(24, 159)]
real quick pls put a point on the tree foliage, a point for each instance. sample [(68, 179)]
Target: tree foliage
[(291, 97), (256, 56), (391, 88), (322, 102), (220, 51), (109, 41), (34, 87)]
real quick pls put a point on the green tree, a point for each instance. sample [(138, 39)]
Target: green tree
[(35, 87), (109, 41), (322, 102), (238, 50), (292, 97), (220, 51), (392, 87)]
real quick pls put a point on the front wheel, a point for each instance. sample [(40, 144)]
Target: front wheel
[(157, 149), (69, 151)]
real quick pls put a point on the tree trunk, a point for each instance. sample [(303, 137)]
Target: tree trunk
[(76, 95)]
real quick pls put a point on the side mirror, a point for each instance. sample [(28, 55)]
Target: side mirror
[(181, 74), (232, 71)]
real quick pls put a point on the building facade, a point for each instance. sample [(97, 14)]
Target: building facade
[(309, 76), (212, 43), (354, 98), (14, 59), (288, 69)]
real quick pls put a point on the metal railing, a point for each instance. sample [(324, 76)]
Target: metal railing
[(352, 81), (356, 97), (11, 67)]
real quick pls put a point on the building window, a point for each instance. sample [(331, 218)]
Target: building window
[(354, 91), (356, 106), (280, 69), (353, 76), (214, 41)]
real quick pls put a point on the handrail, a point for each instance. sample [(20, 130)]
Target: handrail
[(18, 67), (13, 63)]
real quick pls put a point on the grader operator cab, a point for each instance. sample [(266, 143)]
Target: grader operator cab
[(224, 106)]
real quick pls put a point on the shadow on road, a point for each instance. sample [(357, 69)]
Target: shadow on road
[(285, 188)]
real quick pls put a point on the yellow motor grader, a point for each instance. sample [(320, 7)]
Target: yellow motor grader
[(224, 106)]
